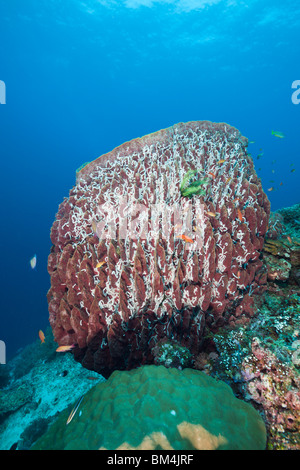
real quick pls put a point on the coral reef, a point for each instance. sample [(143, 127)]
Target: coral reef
[(276, 387), (153, 407), (291, 216), (160, 238), (260, 361), (40, 385), (276, 226), (14, 398), (170, 353), (282, 259)]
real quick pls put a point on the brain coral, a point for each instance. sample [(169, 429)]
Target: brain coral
[(153, 407), (160, 238)]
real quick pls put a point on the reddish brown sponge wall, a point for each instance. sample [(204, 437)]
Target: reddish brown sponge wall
[(122, 275)]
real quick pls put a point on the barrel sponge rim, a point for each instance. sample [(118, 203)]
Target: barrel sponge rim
[(137, 144)]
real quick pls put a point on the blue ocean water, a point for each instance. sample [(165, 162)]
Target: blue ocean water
[(82, 77)]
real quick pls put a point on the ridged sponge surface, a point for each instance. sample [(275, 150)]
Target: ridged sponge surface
[(153, 407)]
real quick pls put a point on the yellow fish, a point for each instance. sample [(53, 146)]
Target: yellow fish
[(65, 348), (278, 134), (220, 161), (100, 264)]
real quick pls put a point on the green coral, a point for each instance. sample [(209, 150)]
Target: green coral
[(189, 188), (153, 407)]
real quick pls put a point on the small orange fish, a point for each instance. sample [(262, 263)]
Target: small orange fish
[(281, 184), (239, 274), (65, 348), (100, 264), (220, 161), (271, 189), (236, 199), (185, 238), (211, 214), (240, 215), (289, 239), (228, 179), (94, 226), (212, 174), (41, 336)]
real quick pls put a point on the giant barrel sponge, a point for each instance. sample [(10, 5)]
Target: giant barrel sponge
[(159, 238), (157, 408)]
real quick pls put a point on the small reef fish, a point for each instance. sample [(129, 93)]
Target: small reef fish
[(212, 174), (240, 215), (186, 239), (252, 142), (73, 412), (221, 161), (281, 184), (65, 348), (236, 199), (273, 276), (94, 226), (228, 179), (33, 262), (41, 336), (259, 155), (278, 134), (289, 239), (100, 264), (294, 169), (211, 214), (271, 189)]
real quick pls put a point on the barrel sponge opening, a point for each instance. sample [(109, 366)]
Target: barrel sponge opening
[(153, 407)]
